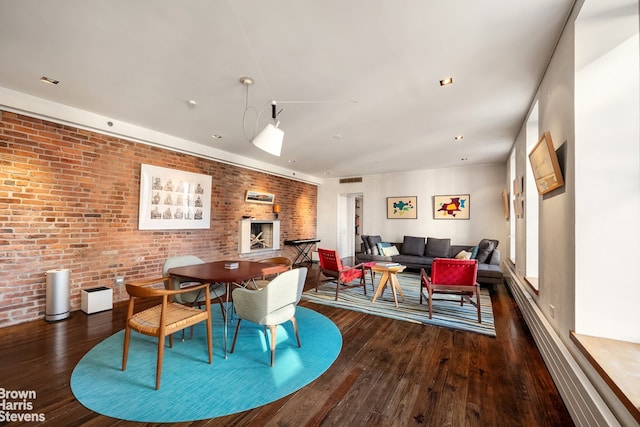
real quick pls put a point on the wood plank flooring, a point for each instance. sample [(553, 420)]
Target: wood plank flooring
[(389, 373)]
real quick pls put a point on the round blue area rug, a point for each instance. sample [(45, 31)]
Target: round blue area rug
[(191, 388)]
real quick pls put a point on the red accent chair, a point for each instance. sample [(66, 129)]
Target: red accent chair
[(451, 276), (331, 267)]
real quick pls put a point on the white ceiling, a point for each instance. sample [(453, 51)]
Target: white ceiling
[(371, 68)]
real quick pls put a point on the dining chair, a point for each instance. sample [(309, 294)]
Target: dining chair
[(194, 298), (271, 305), (279, 260), (164, 319), (331, 267), (451, 276)]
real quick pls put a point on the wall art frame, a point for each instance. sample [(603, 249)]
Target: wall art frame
[(505, 203), (172, 199), (405, 207), (545, 165), (259, 197), (456, 206)]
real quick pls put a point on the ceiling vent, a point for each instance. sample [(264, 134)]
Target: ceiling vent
[(349, 180)]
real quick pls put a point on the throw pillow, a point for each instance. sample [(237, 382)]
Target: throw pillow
[(383, 245), (463, 255), (437, 248), (474, 252), (390, 251), (413, 246), (373, 241), (485, 247), (365, 242)]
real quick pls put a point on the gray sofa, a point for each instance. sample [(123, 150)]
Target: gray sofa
[(418, 252)]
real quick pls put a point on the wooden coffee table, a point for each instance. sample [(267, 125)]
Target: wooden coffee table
[(388, 277)]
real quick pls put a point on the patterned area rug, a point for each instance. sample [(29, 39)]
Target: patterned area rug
[(447, 311)]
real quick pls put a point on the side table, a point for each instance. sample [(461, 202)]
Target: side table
[(388, 276)]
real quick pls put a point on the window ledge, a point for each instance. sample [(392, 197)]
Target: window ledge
[(618, 363), (533, 283)]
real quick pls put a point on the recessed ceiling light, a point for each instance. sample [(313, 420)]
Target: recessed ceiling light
[(49, 80), (216, 136), (192, 103), (292, 161), (458, 137), (446, 82), (464, 159), (337, 136), (327, 173)]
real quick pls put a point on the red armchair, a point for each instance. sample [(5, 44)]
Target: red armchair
[(331, 267), (451, 276)]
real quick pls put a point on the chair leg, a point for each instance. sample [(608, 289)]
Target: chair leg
[(273, 329), (235, 335), (125, 352), (318, 278), (209, 340), (295, 328), (478, 303), (430, 305), (338, 281), (159, 362)]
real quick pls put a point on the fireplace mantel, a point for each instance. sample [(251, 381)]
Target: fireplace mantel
[(259, 236)]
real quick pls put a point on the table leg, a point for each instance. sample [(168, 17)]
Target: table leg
[(381, 286), (226, 317), (392, 284), (396, 284)]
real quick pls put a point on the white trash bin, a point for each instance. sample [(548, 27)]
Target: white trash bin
[(57, 305)]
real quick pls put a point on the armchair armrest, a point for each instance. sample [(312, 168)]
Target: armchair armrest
[(352, 267), (142, 288)]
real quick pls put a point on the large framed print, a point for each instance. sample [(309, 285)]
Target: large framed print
[(173, 199), (455, 206), (402, 207)]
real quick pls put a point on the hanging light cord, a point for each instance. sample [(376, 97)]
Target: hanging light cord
[(247, 108)]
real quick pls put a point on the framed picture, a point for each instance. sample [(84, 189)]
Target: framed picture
[(173, 199), (402, 207), (545, 166), (259, 197), (505, 204), (451, 207)]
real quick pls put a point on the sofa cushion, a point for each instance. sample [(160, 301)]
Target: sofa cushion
[(373, 242), (437, 247), (463, 255), (365, 242), (390, 251), (413, 261), (413, 246), (485, 248)]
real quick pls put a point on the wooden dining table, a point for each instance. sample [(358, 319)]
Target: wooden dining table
[(218, 272)]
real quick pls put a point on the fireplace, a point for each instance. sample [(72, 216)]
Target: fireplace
[(259, 236)]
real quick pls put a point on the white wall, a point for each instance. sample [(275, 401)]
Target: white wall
[(483, 183), (578, 229)]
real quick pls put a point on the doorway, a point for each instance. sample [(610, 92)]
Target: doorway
[(350, 222)]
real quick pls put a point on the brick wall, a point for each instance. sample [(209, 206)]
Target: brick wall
[(69, 199)]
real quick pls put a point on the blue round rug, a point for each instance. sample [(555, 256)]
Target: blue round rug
[(191, 388)]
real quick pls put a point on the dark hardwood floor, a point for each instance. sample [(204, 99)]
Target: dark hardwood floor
[(389, 373)]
